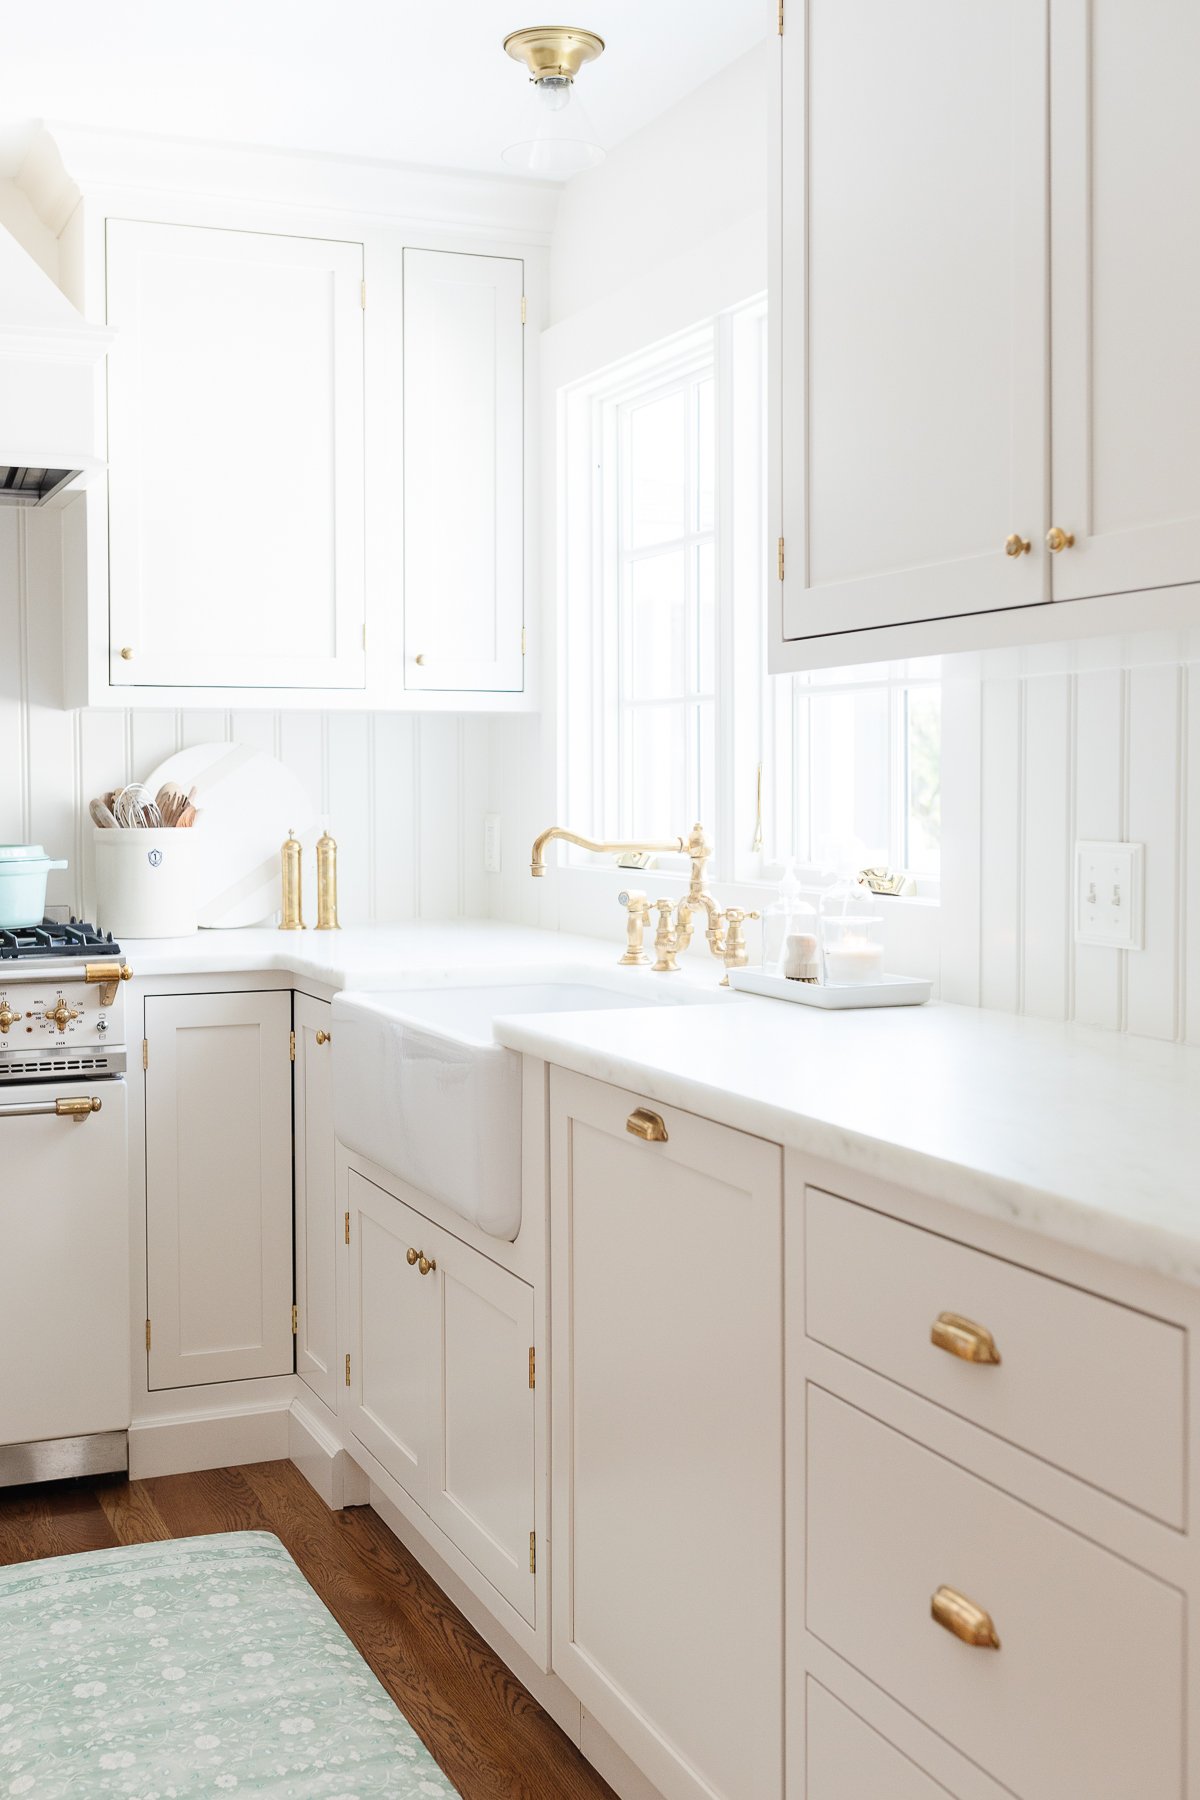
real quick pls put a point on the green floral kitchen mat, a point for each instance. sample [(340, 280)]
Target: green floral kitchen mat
[(200, 1666)]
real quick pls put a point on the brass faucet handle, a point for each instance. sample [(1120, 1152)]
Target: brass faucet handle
[(735, 953), (665, 941)]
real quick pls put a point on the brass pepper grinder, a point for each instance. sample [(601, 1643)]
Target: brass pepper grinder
[(327, 919), (291, 917)]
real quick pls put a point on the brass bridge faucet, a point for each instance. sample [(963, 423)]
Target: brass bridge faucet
[(722, 930)]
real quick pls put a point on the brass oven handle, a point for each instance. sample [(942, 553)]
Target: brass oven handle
[(324, 1037), (963, 1619), (108, 974), (644, 1124), (962, 1337), (77, 1109)]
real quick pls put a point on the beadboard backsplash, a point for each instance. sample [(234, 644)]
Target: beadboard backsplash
[(404, 795), (1102, 742)]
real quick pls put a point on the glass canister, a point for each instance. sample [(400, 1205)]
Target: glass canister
[(789, 937), (851, 951)]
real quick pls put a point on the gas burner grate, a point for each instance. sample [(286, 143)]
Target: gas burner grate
[(54, 939)]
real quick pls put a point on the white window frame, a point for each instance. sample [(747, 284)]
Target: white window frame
[(749, 704)]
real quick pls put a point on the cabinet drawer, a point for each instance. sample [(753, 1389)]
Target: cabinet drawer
[(1084, 1695), (846, 1760), (1093, 1387)]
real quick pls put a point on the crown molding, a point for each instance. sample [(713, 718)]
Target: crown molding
[(68, 162)]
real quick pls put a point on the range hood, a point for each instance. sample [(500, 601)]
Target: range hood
[(48, 387)]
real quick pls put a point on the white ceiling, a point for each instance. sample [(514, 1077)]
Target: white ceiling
[(417, 83)]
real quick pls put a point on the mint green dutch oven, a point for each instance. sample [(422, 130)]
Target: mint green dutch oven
[(23, 872)]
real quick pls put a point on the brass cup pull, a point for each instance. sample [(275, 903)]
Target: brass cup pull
[(962, 1337), (1016, 545), (324, 1037), (1057, 539), (646, 1125), (410, 1257), (80, 1109), (963, 1619), (426, 1265)]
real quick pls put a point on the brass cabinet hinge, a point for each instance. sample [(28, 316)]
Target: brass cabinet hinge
[(364, 637), (532, 1367), (780, 554), (781, 18), (145, 1053), (147, 1334), (533, 1553), (522, 640), (347, 1368), (524, 311), (362, 292), (292, 1045), (347, 1227), (295, 1320)]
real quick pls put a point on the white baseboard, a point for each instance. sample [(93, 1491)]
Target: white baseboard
[(180, 1444)]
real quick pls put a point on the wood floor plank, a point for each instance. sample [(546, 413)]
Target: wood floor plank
[(478, 1721)]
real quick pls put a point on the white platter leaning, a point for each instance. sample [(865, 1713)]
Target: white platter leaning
[(247, 803)]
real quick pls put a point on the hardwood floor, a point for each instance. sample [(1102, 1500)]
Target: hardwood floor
[(487, 1732)]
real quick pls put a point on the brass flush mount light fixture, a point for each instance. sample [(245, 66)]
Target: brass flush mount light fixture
[(564, 142)]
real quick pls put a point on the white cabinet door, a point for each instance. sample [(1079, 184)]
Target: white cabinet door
[(218, 1187), (912, 300), (1125, 252), (235, 447), (464, 435), (317, 1223), (845, 1760), (667, 1350), (392, 1336), (483, 1472)]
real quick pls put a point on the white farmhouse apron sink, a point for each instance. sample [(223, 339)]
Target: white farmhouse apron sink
[(422, 1088)]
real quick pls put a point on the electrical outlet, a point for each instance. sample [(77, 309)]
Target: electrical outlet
[(1110, 894), (491, 843)]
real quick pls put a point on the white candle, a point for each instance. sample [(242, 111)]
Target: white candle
[(853, 960)]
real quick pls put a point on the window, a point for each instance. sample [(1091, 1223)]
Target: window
[(669, 714)]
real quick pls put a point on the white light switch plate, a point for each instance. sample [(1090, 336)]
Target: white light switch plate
[(491, 843), (1110, 883)]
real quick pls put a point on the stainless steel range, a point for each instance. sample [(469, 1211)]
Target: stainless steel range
[(64, 1230)]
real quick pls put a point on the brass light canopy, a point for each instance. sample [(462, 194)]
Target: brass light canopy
[(553, 50)]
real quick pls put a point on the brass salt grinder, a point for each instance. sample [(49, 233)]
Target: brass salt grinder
[(327, 919), (291, 917)]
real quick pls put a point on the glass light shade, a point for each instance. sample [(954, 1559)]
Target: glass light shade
[(563, 143)]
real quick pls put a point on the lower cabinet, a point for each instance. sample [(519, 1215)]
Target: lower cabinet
[(846, 1760), (218, 1086), (317, 1223), (440, 1379), (667, 1358)]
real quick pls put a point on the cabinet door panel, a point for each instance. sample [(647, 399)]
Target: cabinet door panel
[(667, 1440), (483, 1493), (463, 471), (913, 310), (218, 1187), (1126, 283), (235, 443), (317, 1235), (393, 1321), (846, 1760)]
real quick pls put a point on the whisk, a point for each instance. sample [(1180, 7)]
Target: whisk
[(135, 808)]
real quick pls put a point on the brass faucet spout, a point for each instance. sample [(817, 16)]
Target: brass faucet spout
[(537, 866)]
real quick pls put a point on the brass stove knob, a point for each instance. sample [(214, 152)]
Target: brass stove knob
[(61, 1016), (8, 1018)]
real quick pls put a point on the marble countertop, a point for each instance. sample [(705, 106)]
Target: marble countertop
[(1089, 1137), (1086, 1136)]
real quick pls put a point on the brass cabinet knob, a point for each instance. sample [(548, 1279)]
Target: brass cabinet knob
[(963, 1619), (646, 1125), (1057, 539), (1016, 545), (962, 1337), (426, 1265), (324, 1037), (420, 661), (127, 653), (411, 1257)]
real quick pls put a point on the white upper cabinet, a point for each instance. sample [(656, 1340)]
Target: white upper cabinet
[(464, 560), (1125, 208), (985, 281), (913, 302), (235, 445)]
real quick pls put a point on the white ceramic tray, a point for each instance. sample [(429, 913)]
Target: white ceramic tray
[(889, 990)]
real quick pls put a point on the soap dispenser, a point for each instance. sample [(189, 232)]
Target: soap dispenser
[(788, 917)]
